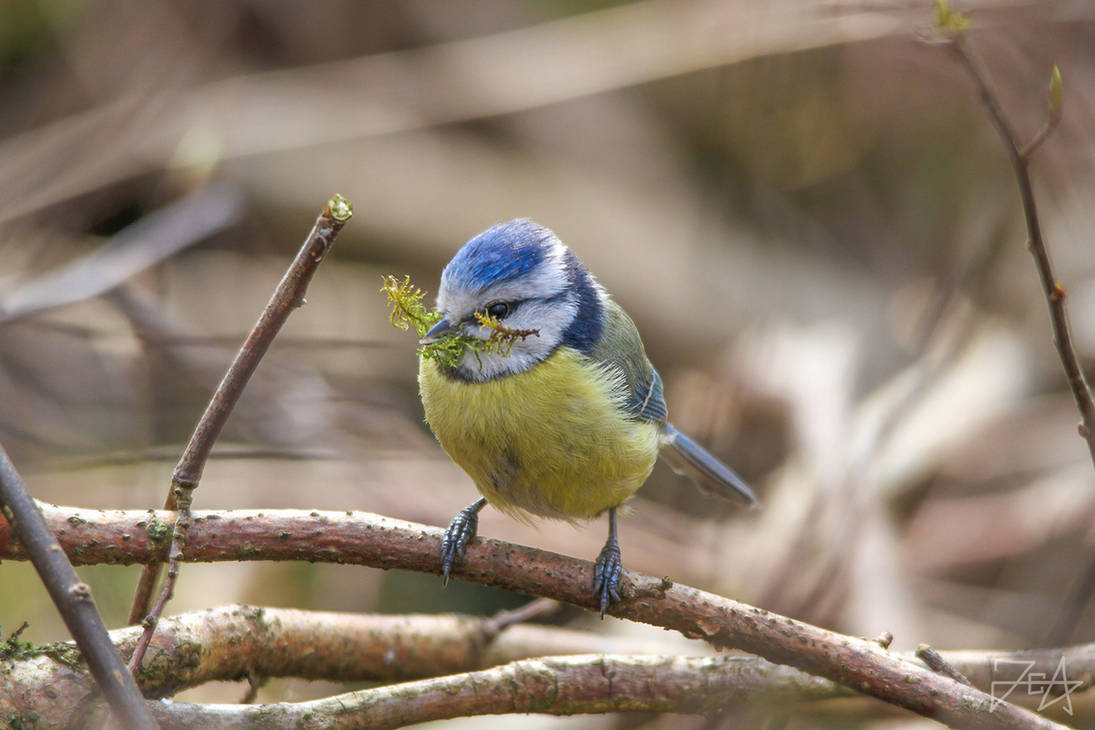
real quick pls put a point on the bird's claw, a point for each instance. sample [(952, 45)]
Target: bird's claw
[(606, 575), (455, 542)]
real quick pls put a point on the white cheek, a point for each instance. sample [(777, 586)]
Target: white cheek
[(549, 320)]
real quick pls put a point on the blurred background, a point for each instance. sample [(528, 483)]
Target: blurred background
[(801, 203)]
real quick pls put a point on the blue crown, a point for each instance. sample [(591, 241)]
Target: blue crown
[(503, 252)]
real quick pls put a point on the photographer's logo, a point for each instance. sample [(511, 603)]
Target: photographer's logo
[(1053, 690)]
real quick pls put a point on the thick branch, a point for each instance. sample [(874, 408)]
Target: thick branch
[(556, 686), (381, 542), (235, 642)]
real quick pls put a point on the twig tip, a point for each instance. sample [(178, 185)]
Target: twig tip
[(341, 208), (948, 20), (1056, 91)]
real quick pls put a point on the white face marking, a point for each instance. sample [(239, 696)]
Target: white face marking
[(544, 305)]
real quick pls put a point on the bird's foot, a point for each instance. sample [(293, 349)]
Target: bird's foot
[(455, 542), (606, 574)]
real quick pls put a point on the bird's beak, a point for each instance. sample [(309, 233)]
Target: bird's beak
[(439, 331)]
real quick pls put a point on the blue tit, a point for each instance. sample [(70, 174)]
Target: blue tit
[(568, 422)]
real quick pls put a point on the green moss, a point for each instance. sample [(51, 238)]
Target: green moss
[(408, 311), (15, 650), (64, 653), (22, 720), (157, 529)]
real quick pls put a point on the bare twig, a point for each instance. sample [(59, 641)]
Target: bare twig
[(382, 542), (72, 598), (288, 295), (255, 682), (1055, 292), (504, 619)]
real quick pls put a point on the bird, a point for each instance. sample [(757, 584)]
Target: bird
[(567, 421)]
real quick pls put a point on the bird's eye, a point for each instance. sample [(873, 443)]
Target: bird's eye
[(498, 310)]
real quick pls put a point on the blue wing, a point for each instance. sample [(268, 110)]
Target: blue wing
[(647, 402), (620, 349)]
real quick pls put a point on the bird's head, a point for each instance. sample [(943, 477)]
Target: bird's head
[(521, 275)]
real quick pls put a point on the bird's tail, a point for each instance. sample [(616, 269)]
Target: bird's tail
[(709, 474)]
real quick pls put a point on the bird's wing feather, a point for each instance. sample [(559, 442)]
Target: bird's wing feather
[(621, 350)]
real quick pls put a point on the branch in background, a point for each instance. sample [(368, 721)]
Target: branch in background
[(234, 642), (154, 238), (237, 642), (288, 295), (1020, 155), (72, 598), (570, 685), (365, 539), (534, 609)]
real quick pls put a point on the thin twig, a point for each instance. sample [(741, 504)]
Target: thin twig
[(504, 619), (72, 598), (288, 295), (382, 542), (255, 682), (1055, 292)]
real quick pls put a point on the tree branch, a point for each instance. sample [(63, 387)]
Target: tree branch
[(243, 642), (288, 295), (556, 686), (72, 598), (381, 542)]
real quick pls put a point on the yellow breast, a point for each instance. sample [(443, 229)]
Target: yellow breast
[(551, 441)]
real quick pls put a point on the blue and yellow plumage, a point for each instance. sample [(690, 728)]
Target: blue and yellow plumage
[(566, 423)]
